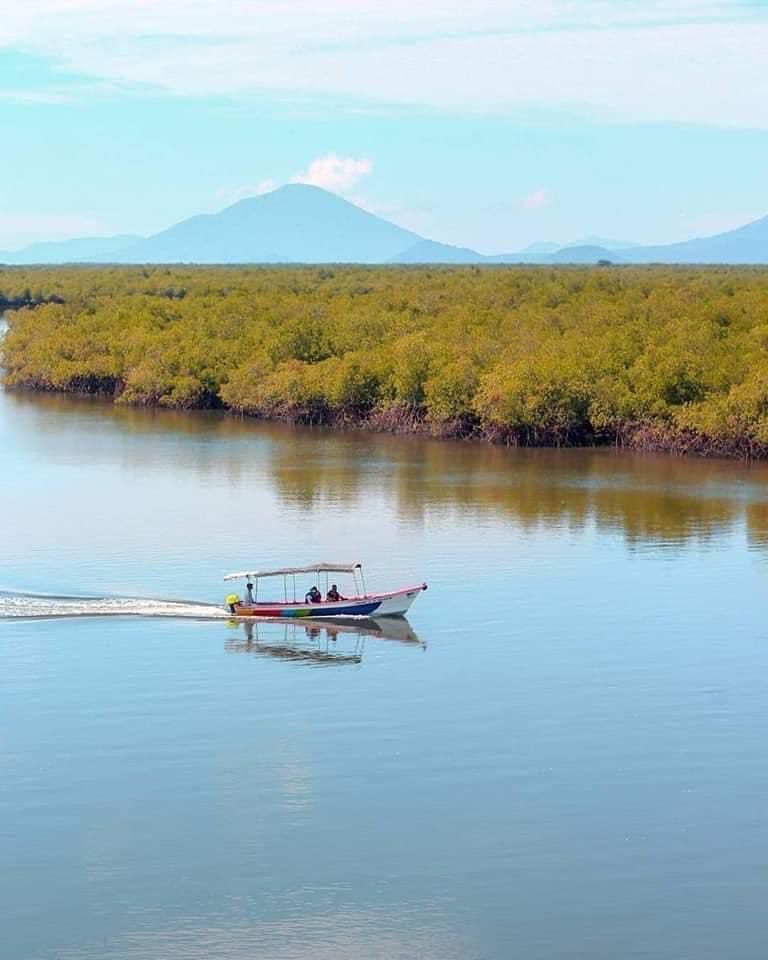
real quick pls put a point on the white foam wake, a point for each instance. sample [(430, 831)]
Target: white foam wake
[(36, 607)]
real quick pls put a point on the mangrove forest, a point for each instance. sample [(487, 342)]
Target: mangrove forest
[(668, 358)]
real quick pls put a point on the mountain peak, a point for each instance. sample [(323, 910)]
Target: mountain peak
[(296, 223), (297, 190), (294, 195), (303, 188)]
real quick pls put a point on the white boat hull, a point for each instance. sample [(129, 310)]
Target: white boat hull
[(395, 604)]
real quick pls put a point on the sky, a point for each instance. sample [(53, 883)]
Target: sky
[(486, 123)]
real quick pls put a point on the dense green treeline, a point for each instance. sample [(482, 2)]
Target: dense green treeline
[(662, 357)]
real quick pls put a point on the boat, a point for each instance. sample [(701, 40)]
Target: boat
[(362, 604)]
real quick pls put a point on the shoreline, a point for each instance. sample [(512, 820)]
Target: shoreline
[(653, 437)]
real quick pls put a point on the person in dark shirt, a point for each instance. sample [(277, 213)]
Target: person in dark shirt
[(333, 594), (313, 596)]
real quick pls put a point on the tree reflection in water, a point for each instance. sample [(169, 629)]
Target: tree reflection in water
[(645, 497)]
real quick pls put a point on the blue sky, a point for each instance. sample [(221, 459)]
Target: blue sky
[(490, 124)]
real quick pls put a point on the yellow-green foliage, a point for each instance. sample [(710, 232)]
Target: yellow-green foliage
[(528, 355)]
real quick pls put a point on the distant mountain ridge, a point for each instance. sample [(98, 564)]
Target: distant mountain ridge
[(430, 251), (747, 244), (298, 223), (70, 251)]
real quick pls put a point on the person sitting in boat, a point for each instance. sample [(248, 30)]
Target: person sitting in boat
[(249, 592), (333, 594), (313, 596)]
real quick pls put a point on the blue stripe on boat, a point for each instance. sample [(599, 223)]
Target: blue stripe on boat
[(356, 609)]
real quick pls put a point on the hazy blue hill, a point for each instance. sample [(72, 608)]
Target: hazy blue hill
[(543, 248), (585, 253), (82, 249), (596, 241), (430, 251), (540, 247), (588, 253), (294, 224), (747, 244)]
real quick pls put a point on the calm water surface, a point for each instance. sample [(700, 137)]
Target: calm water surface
[(562, 756)]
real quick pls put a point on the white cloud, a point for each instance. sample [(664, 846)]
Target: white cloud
[(699, 61), (539, 198), (37, 96), (339, 23), (332, 172)]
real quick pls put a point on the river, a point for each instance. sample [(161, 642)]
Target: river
[(562, 754)]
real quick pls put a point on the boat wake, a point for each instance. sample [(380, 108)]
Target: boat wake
[(30, 606)]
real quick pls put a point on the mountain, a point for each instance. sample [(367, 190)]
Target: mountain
[(83, 249), (584, 254), (294, 224), (298, 223), (747, 244), (430, 251), (549, 246), (588, 253), (540, 247)]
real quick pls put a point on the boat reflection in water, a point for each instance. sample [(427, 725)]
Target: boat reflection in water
[(317, 642)]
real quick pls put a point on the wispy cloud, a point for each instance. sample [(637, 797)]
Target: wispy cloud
[(539, 198), (329, 171), (697, 61), (332, 172), (37, 96)]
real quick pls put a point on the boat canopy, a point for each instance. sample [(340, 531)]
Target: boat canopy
[(287, 571)]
